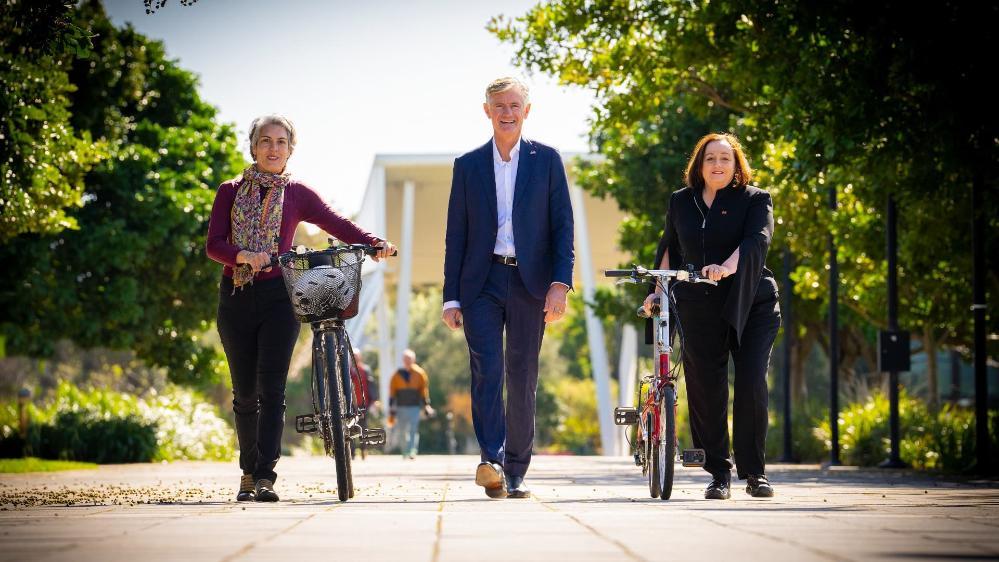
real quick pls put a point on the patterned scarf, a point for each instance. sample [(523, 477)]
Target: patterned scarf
[(256, 224)]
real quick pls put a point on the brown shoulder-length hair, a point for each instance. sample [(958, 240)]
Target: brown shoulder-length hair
[(743, 173)]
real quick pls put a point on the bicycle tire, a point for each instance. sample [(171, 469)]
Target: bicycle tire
[(667, 454), (334, 385), (319, 400), (347, 407), (652, 458)]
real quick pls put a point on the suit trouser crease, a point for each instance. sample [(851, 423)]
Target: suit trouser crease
[(708, 342), (505, 434), (258, 331)]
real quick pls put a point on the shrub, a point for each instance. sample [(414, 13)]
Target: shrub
[(105, 426)]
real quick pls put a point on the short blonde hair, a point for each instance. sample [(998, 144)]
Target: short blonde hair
[(272, 119), (506, 83)]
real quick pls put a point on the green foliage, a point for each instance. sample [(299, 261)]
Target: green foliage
[(578, 429), (32, 464), (44, 157), (863, 99), (90, 437), (944, 441), (133, 275), (105, 426)]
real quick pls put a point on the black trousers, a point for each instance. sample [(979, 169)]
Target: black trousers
[(708, 341), (258, 331)]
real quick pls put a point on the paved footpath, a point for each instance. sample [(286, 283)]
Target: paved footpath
[(584, 508)]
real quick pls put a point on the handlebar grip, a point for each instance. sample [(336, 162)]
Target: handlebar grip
[(372, 250), (618, 272)]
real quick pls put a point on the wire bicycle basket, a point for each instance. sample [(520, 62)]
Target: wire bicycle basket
[(323, 284)]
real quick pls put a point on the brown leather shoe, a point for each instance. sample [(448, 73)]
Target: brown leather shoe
[(265, 491), (246, 493), (490, 476)]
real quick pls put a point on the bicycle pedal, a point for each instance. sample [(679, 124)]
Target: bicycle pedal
[(624, 415), (373, 436), (692, 457), (354, 431), (306, 424)]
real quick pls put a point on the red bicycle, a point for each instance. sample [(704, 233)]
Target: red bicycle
[(655, 446)]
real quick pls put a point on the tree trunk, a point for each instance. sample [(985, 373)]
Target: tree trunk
[(930, 348)]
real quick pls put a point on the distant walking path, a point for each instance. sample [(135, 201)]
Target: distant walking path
[(584, 508)]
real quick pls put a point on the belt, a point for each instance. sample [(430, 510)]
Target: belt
[(505, 260)]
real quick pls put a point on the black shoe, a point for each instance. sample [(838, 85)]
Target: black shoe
[(718, 489), (490, 476), (265, 491), (758, 486), (515, 487), (246, 491)]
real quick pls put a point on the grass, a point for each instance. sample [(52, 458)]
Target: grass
[(32, 464)]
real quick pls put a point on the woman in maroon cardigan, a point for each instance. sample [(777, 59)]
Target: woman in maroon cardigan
[(254, 217)]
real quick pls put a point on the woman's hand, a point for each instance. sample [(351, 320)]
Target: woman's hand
[(647, 305), (715, 272), (258, 261), (387, 249)]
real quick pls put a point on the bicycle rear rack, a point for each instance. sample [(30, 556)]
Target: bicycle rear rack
[(306, 423), (624, 415)]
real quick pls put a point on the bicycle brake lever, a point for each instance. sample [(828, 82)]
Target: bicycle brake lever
[(626, 280)]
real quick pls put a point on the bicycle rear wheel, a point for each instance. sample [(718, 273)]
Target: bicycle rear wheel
[(337, 407)]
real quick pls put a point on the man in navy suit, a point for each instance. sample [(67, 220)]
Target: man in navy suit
[(507, 268)]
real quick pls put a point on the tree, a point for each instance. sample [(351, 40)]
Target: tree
[(863, 99), (134, 275), (44, 158)]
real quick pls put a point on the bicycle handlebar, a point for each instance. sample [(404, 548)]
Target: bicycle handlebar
[(639, 272), (367, 249)]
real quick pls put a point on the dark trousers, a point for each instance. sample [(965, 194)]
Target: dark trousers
[(506, 436), (258, 332), (708, 341)]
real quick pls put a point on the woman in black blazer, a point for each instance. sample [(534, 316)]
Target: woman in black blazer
[(722, 226)]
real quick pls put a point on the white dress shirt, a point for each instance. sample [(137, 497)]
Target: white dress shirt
[(506, 179)]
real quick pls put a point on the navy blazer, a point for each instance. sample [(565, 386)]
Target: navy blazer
[(542, 222)]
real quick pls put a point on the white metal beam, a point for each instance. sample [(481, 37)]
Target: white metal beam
[(594, 329), (404, 288), (627, 371)]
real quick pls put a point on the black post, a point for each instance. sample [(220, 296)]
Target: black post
[(978, 310), (788, 347), (955, 376), (833, 341), (894, 460)]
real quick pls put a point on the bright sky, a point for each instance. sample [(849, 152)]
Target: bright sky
[(357, 78)]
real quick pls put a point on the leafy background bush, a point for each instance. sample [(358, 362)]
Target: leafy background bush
[(106, 426)]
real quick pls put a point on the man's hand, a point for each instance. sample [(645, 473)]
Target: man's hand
[(387, 249), (452, 317), (555, 302), (715, 272), (429, 411)]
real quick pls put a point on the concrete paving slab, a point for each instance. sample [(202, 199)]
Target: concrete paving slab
[(583, 508)]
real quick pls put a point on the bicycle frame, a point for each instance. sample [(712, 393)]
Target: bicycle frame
[(657, 441)]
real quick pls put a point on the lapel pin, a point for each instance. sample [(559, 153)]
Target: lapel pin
[(724, 212)]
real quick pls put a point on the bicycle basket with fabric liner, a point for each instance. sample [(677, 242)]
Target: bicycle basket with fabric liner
[(323, 284)]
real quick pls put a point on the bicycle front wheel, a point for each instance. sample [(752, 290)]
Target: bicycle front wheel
[(667, 447), (337, 409)]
